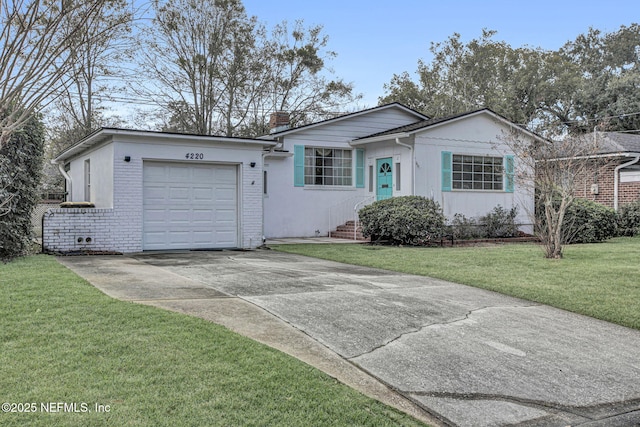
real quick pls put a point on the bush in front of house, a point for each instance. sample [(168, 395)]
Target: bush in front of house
[(463, 228), (629, 219), (500, 222), (406, 220), (589, 222)]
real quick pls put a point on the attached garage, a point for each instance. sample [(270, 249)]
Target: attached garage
[(189, 206), (159, 191)]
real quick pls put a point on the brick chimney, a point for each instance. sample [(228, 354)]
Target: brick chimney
[(278, 121)]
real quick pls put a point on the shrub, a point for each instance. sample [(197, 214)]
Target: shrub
[(410, 220), (629, 219), (500, 222), (588, 222), (463, 228), (20, 166)]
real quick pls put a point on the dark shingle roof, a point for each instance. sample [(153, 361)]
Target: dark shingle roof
[(618, 142)]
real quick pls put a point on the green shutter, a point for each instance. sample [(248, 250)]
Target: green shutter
[(359, 168), (446, 170), (298, 165), (509, 172)]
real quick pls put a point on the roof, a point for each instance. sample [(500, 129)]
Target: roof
[(346, 116), (103, 134), (404, 131), (618, 142)]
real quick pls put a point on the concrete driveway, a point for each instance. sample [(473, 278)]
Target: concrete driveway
[(465, 356)]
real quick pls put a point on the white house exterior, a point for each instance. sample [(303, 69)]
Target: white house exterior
[(164, 191), (299, 204), (158, 191), (307, 193)]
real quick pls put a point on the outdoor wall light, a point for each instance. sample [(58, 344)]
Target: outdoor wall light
[(127, 159), (252, 164)]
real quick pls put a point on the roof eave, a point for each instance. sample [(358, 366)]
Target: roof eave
[(380, 138), (102, 135), (344, 117)]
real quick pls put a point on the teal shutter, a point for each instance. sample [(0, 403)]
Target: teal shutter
[(359, 168), (446, 170), (509, 173), (298, 165)]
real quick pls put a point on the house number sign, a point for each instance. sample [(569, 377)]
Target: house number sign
[(194, 156)]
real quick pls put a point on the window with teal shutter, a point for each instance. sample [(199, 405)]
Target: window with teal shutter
[(446, 171), (298, 165), (360, 168), (509, 173)]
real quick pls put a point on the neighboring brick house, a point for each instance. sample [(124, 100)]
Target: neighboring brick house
[(614, 179)]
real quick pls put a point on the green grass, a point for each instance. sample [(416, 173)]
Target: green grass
[(598, 280), (61, 340)]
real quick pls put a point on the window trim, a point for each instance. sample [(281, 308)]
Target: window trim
[(449, 182)]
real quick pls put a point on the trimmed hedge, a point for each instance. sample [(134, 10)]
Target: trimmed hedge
[(629, 219), (406, 220), (589, 222)]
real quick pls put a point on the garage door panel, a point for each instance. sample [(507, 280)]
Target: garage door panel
[(204, 174), (225, 194), (189, 206), (203, 194), (226, 175), (179, 194), (179, 173), (153, 172)]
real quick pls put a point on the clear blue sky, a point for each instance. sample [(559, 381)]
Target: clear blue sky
[(376, 39)]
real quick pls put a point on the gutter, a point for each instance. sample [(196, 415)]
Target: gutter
[(616, 178), (66, 176)]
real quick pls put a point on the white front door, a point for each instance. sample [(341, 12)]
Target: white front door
[(189, 206)]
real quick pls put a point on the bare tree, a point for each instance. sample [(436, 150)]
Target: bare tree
[(95, 64), (554, 171), (35, 53), (217, 70)]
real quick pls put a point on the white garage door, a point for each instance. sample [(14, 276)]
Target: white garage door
[(189, 206)]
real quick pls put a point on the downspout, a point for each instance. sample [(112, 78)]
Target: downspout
[(67, 178), (413, 165), (616, 179)]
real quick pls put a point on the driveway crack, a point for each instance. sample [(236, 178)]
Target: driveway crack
[(460, 319)]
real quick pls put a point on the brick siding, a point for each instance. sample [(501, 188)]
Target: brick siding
[(603, 176)]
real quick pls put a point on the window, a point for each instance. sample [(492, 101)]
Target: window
[(370, 178), (327, 166), (87, 180), (477, 172), (398, 176), (264, 182)]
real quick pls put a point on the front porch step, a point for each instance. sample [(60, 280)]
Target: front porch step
[(346, 231)]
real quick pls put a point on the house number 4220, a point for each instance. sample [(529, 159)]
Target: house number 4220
[(194, 156)]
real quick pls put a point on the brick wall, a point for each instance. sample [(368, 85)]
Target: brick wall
[(602, 174), (72, 230)]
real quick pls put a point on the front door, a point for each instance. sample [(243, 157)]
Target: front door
[(384, 187)]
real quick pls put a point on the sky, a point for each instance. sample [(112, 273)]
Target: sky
[(376, 39)]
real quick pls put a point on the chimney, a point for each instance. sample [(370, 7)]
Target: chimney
[(278, 121)]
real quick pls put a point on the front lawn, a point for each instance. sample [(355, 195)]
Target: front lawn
[(600, 280), (65, 347)]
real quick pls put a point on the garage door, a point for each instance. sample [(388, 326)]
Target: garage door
[(189, 206)]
